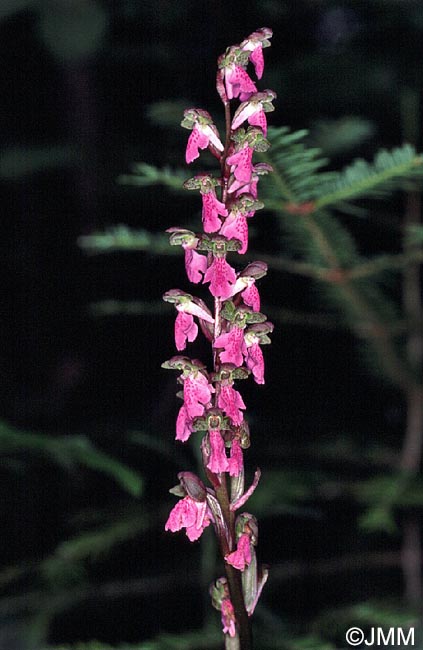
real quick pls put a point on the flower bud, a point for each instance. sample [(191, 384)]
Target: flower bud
[(247, 523), (244, 435), (177, 296), (255, 270), (220, 85), (193, 116), (182, 237), (193, 486), (218, 591)]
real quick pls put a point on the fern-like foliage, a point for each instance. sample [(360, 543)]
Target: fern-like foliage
[(301, 176), (143, 175), (67, 451), (390, 170), (300, 170), (123, 238)]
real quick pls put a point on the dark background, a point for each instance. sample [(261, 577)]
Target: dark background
[(77, 83)]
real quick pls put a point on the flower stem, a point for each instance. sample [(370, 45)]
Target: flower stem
[(232, 643), (232, 574), (224, 170)]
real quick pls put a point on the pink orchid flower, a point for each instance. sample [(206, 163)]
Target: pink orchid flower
[(212, 207), (218, 461), (241, 187), (184, 425), (195, 265), (254, 114), (234, 346), (249, 292), (236, 460), (204, 133), (195, 516), (257, 59), (254, 110), (195, 309), (254, 44), (201, 137), (228, 617), (185, 330), (240, 558), (197, 394), (251, 296), (251, 187), (231, 402), (221, 276), (254, 358), (238, 83), (241, 164), (235, 227)]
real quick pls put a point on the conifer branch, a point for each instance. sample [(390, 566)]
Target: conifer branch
[(391, 362), (363, 179), (383, 263)]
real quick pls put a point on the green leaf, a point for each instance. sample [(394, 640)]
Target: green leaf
[(378, 519), (300, 178), (123, 238), (388, 172), (90, 545), (68, 451), (145, 175)]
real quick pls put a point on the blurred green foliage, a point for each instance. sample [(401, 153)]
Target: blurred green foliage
[(351, 89)]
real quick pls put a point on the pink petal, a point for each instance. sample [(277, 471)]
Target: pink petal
[(234, 346), (197, 393), (185, 329), (242, 187), (255, 362), (221, 277), (259, 119), (243, 113), (238, 83), (236, 461), (197, 140), (240, 558), (241, 164), (195, 310), (228, 617), (218, 461), (195, 265), (184, 513), (251, 297), (257, 59), (235, 227), (183, 425), (189, 514), (211, 133), (231, 402), (211, 209), (202, 521)]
